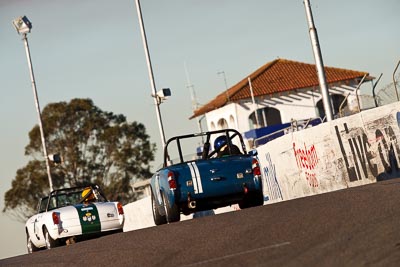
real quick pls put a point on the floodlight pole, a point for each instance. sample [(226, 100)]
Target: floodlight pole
[(28, 56), (318, 61), (151, 75)]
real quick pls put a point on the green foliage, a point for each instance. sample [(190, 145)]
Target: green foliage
[(96, 147)]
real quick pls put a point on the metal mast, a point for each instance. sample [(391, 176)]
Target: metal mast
[(318, 61), (151, 75), (254, 103), (23, 27)]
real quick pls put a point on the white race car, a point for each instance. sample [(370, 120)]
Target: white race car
[(70, 215)]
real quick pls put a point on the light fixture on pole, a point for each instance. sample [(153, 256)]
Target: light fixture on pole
[(162, 95), (23, 27)]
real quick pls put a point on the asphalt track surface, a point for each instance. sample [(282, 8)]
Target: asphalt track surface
[(351, 227)]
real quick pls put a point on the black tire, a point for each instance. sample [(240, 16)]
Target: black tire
[(258, 199), (158, 219), (244, 203), (252, 199), (50, 242), (29, 245), (172, 213)]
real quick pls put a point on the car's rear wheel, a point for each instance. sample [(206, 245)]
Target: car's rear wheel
[(258, 198), (29, 245), (252, 199), (171, 211), (50, 242), (158, 219)]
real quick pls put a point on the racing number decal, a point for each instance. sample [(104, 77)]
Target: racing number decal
[(196, 178), (89, 218)]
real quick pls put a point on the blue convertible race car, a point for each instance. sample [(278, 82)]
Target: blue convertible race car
[(216, 176)]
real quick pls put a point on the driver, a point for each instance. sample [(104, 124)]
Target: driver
[(221, 144), (87, 193)]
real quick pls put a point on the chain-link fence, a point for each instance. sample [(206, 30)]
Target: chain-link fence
[(387, 94)]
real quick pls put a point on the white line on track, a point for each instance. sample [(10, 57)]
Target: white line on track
[(238, 254)]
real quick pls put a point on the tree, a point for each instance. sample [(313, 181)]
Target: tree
[(96, 147)]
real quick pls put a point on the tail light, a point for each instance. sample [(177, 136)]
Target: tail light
[(120, 209), (171, 180), (245, 189), (56, 217), (256, 167)]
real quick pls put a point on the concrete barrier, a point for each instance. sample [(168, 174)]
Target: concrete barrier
[(345, 152), (139, 215)]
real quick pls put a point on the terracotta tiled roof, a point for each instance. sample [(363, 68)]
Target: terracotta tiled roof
[(280, 75)]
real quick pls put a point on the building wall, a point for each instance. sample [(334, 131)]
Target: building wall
[(298, 105), (228, 113), (292, 106)]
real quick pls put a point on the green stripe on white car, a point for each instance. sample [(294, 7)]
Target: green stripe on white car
[(89, 218)]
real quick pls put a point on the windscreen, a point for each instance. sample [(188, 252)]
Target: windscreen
[(196, 147)]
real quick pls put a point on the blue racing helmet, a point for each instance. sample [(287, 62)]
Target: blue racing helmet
[(220, 141)]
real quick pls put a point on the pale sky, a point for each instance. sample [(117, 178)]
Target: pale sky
[(93, 49)]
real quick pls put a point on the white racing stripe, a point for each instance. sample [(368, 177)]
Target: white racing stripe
[(196, 178), (197, 172)]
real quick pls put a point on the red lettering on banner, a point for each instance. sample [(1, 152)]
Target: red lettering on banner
[(307, 160)]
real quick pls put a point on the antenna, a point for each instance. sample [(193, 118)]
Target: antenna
[(195, 104), (226, 85), (190, 86)]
